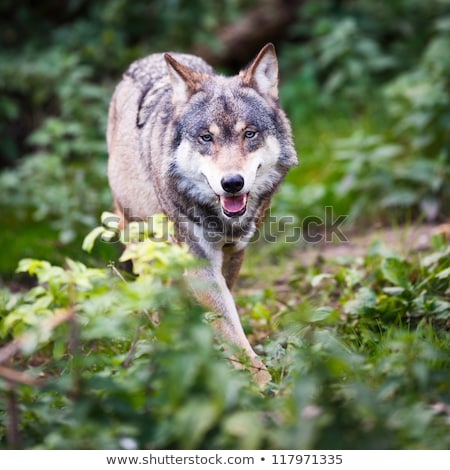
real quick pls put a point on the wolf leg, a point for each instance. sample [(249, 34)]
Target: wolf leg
[(232, 262), (215, 295)]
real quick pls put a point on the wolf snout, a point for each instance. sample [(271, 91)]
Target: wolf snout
[(232, 183)]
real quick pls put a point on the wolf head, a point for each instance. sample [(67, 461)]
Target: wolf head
[(232, 144)]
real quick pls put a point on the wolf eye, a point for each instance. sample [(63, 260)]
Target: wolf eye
[(206, 137), (248, 134)]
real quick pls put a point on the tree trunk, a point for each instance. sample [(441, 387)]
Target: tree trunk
[(239, 41)]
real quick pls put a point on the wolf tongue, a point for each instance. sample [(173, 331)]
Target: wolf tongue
[(233, 204)]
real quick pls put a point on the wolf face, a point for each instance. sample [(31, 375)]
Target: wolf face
[(232, 140)]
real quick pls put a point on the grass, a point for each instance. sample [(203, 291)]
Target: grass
[(356, 345)]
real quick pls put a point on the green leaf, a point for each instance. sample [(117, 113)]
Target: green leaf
[(31, 266), (244, 425), (110, 220), (432, 259), (400, 198), (322, 313), (386, 152), (260, 311), (393, 290), (193, 420), (395, 271), (89, 239), (316, 280), (365, 299), (444, 274)]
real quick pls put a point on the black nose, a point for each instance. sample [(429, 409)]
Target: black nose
[(232, 184)]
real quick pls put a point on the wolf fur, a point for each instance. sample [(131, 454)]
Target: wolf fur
[(208, 151)]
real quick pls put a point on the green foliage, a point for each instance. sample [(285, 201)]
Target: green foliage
[(409, 167), (351, 59), (394, 160), (108, 365), (113, 363)]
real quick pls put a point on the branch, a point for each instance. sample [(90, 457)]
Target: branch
[(127, 361), (13, 347), (17, 376), (12, 413)]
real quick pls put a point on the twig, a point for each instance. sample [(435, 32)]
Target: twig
[(13, 376), (116, 272), (12, 413), (17, 376), (244, 364), (13, 347), (127, 361)]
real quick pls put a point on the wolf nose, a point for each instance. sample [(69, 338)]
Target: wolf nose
[(233, 183)]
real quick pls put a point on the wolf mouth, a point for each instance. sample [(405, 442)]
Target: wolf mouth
[(234, 206)]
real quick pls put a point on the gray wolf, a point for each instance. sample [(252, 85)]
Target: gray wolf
[(208, 151)]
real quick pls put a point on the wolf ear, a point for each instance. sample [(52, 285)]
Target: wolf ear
[(185, 81), (262, 73)]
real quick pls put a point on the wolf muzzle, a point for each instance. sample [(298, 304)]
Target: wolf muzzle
[(233, 205)]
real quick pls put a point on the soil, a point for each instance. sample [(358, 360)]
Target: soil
[(402, 239)]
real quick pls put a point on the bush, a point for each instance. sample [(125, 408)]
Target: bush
[(394, 160), (101, 361), (406, 168)]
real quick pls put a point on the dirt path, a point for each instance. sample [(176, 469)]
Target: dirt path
[(404, 240)]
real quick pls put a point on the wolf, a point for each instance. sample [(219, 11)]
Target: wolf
[(209, 151)]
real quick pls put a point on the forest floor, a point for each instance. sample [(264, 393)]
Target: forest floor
[(402, 239), (284, 279)]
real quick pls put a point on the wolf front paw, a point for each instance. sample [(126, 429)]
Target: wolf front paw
[(259, 372)]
